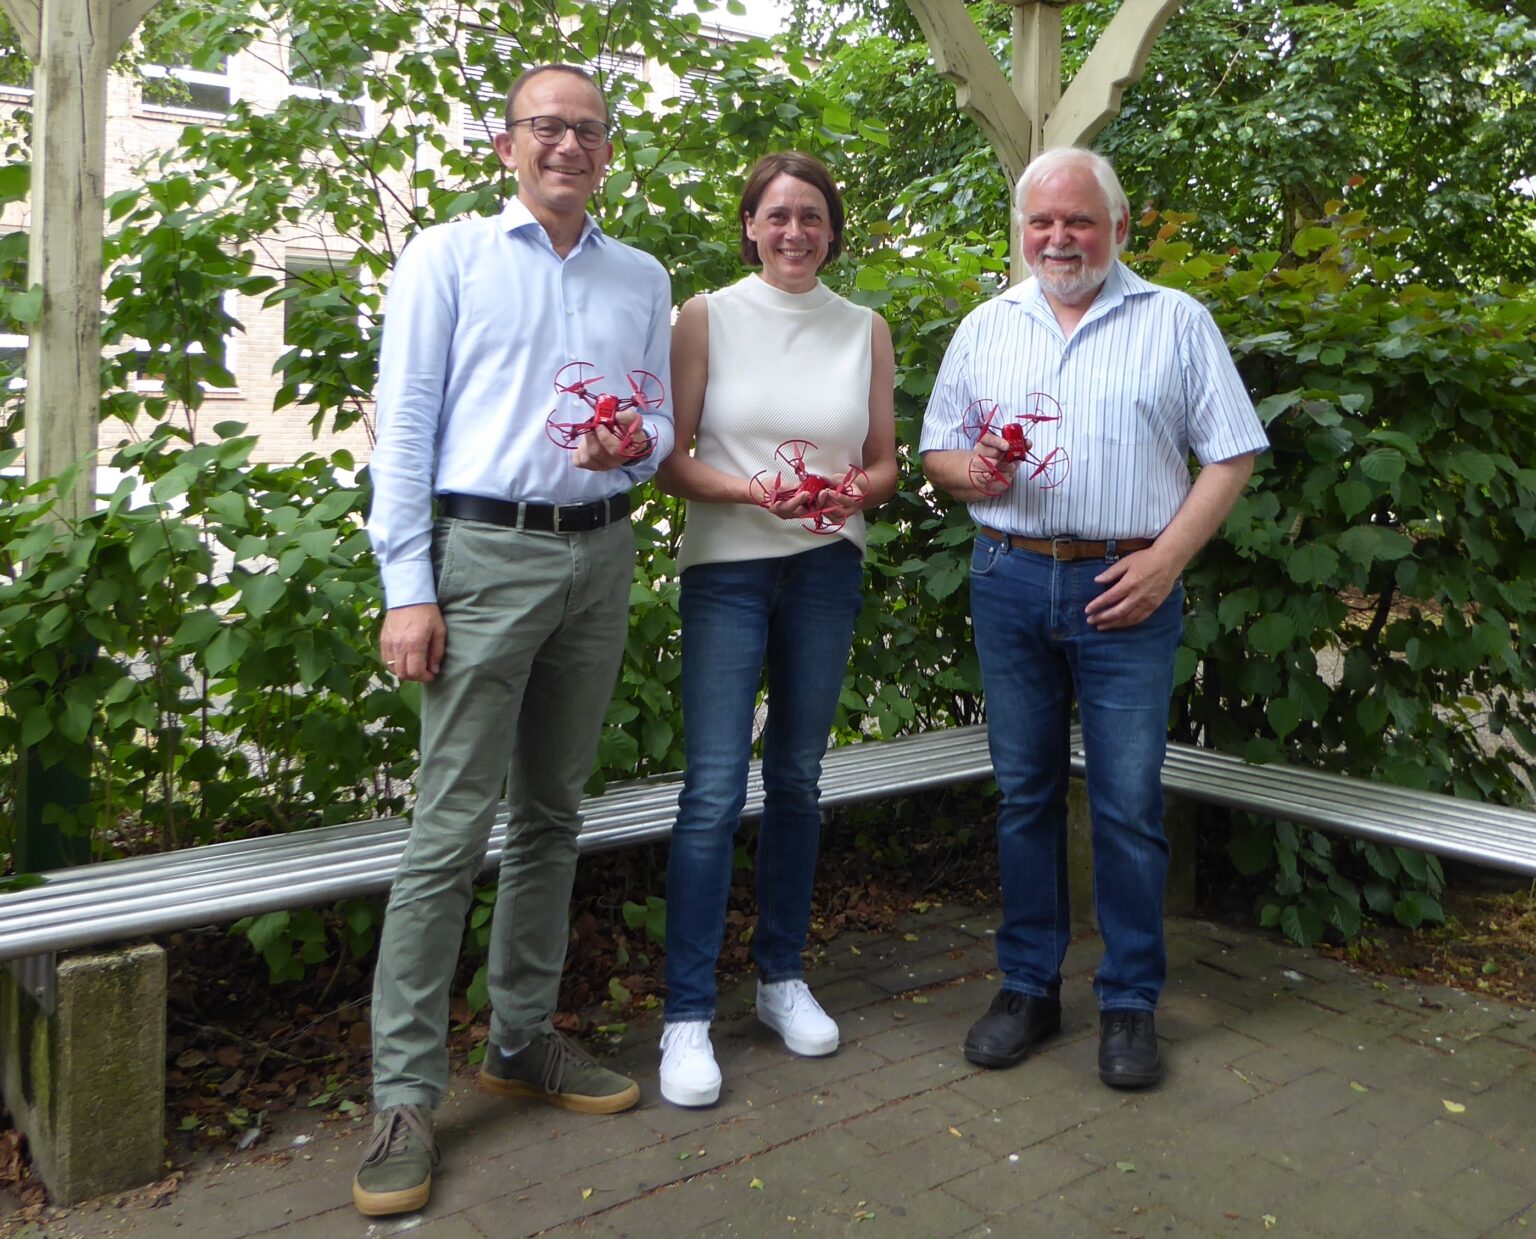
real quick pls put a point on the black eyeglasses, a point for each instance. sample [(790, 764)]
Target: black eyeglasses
[(550, 130)]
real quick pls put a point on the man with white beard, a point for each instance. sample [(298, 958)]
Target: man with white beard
[(1075, 590)]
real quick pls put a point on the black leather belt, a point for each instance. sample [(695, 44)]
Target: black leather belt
[(541, 517)]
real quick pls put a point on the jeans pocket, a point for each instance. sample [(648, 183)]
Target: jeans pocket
[(984, 556)]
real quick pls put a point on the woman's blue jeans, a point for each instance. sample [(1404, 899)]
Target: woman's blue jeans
[(795, 615), (1037, 654)]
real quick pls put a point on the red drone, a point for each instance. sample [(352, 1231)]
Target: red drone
[(575, 379), (791, 454), (986, 417)]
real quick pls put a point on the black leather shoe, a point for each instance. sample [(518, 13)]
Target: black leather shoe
[(1013, 1025), (1128, 1054)]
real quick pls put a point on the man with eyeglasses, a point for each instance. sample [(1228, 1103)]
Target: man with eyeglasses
[(1075, 590), (510, 607)]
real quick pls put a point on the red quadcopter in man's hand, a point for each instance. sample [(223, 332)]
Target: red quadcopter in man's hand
[(985, 417), (575, 379), (815, 487)]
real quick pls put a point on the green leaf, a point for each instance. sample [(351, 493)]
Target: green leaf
[(1309, 240), (1272, 634), (15, 180), (1353, 497), (259, 592), (1372, 714), (195, 630), (27, 307), (268, 929), (1301, 925), (1252, 848), (1383, 464), (1284, 716), (1469, 463), (1312, 563), (478, 995)]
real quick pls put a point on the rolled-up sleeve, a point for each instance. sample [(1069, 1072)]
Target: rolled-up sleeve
[(413, 366)]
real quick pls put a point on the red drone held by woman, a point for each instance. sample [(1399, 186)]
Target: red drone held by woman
[(791, 454), (575, 379), (987, 417)]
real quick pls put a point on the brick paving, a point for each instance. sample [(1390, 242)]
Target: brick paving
[(1301, 1099)]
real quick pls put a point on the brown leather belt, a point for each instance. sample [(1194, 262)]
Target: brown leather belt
[(1064, 550)]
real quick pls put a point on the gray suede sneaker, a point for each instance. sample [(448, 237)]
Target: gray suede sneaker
[(396, 1174), (554, 1069)]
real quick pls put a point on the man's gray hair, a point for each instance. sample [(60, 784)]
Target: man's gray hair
[(1062, 157)]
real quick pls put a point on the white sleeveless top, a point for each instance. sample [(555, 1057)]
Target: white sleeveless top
[(781, 366)]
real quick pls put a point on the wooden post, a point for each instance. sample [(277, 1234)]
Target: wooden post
[(1032, 115), (72, 44)]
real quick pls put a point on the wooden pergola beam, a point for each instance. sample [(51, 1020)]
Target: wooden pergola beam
[(1031, 114), (72, 44)]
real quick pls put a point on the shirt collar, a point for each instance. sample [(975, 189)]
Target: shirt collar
[(515, 217), (1121, 283)]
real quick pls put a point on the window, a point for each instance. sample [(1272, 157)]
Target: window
[(316, 283), (181, 88), (616, 74), (491, 64), (488, 70), (13, 362), (13, 334), (149, 366), (15, 73), (320, 85), (697, 87)]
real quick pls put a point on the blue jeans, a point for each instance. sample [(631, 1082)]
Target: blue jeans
[(1037, 654), (796, 615)]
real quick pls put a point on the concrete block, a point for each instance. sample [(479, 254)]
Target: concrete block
[(1180, 822), (87, 1083)]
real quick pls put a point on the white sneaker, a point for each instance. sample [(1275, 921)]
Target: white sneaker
[(789, 1009), (689, 1074)]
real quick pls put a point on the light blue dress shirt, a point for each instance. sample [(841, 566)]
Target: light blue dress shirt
[(1143, 381), (481, 315)]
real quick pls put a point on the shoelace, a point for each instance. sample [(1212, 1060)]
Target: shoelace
[(800, 999), (1009, 1000), (392, 1138), (560, 1054), (1116, 1022), (689, 1035)]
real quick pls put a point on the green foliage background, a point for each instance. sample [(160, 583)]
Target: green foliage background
[(1368, 609)]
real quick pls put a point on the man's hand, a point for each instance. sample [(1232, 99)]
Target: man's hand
[(412, 641), (992, 462), (599, 451), (1138, 585), (956, 470)]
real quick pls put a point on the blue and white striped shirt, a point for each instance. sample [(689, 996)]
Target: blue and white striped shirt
[(1143, 381), (482, 313)]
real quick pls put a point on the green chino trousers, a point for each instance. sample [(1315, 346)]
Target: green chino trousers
[(536, 626)]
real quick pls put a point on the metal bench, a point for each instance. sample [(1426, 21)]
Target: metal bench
[(111, 1008), (220, 883)]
